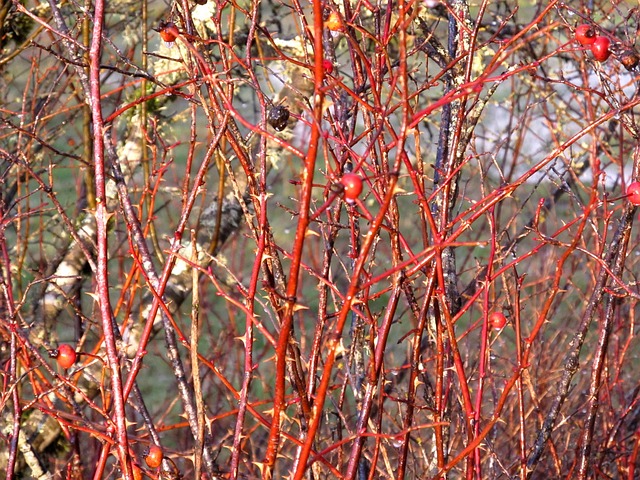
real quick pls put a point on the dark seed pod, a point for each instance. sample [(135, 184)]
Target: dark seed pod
[(629, 59), (277, 116)]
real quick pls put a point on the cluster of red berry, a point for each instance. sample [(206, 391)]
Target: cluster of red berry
[(600, 47), (598, 44)]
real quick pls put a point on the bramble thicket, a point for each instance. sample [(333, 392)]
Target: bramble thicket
[(319, 240)]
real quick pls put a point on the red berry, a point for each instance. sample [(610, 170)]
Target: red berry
[(497, 320), (633, 193), (352, 184), (585, 34), (600, 48), (153, 456), (169, 32), (66, 356), (327, 65)]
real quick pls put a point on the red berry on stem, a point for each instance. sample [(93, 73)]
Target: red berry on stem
[(327, 65), (352, 184), (66, 356), (153, 456), (497, 320), (169, 32), (585, 34), (633, 193), (600, 48)]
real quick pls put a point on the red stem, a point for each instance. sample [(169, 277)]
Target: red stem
[(102, 217), (303, 223)]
